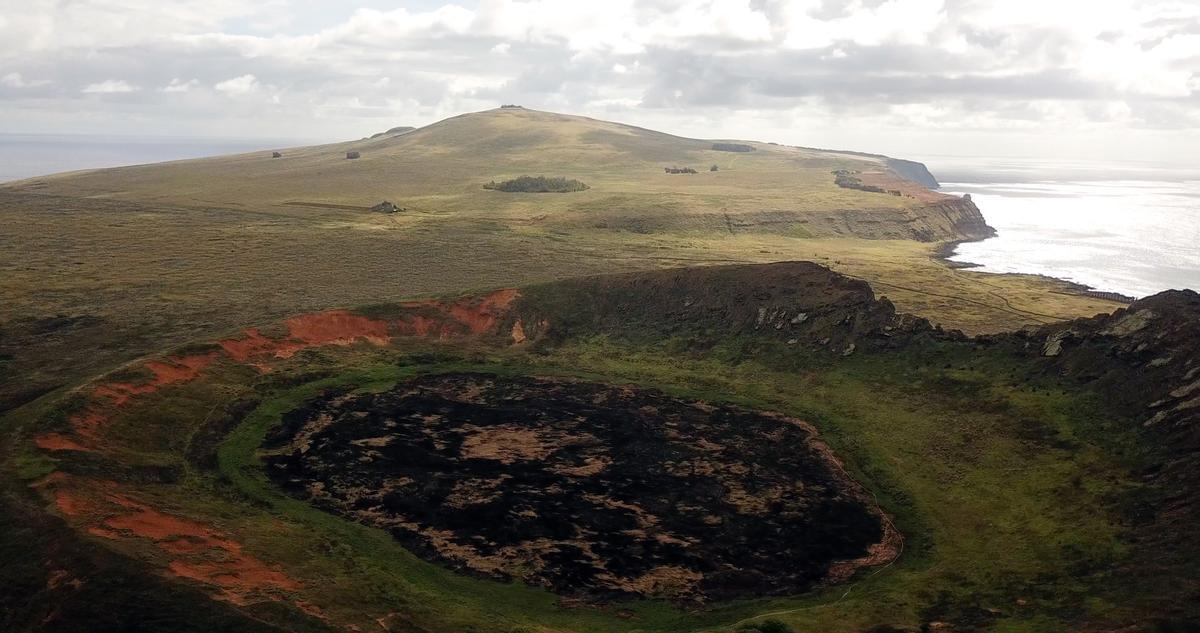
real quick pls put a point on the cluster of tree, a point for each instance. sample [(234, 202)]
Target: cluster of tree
[(847, 179), (509, 105), (352, 155), (537, 184), (680, 170), (732, 147)]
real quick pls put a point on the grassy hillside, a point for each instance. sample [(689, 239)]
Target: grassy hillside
[(101, 267), (439, 170), (1018, 489)]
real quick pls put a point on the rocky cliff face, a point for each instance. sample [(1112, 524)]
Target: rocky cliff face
[(958, 217), (1146, 358), (914, 171), (946, 218)]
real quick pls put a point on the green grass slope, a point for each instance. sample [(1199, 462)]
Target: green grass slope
[(1018, 479), (441, 169)]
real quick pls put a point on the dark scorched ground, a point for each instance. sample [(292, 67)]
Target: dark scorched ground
[(589, 490)]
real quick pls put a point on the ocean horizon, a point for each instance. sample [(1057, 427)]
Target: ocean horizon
[(29, 155), (1131, 228)]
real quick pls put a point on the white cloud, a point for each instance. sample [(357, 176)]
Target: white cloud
[(970, 65), (178, 85), (238, 85), (110, 86), (15, 80)]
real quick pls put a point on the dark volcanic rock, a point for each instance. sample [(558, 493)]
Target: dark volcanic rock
[(1146, 357), (801, 303), (589, 490)]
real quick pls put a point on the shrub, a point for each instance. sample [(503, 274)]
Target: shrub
[(276, 155), (713, 168), (765, 626), (352, 155), (847, 179), (732, 147), (537, 184)]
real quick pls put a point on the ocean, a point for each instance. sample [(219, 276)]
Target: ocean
[(1132, 228), (27, 155)]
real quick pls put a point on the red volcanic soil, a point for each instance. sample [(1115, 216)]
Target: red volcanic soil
[(58, 442), (468, 316), (482, 317), (334, 327), (337, 327), (439, 319), (180, 369), (193, 550), (237, 579), (112, 395), (892, 182)]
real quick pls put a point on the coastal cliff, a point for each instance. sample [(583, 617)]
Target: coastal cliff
[(914, 171), (955, 216)]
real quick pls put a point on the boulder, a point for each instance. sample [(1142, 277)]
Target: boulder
[(386, 207)]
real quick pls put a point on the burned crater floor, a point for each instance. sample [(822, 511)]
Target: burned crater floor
[(593, 491)]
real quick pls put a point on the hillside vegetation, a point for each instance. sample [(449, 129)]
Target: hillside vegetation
[(538, 184), (1020, 483), (435, 169)]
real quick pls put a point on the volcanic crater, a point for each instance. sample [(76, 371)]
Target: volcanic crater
[(592, 491)]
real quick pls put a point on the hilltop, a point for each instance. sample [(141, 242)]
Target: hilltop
[(441, 168)]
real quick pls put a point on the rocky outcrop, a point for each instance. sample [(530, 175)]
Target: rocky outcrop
[(386, 207), (1144, 363), (799, 303), (1145, 358)]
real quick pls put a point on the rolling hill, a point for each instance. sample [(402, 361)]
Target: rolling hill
[(440, 170)]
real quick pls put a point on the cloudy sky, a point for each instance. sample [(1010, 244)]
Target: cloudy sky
[(1110, 79)]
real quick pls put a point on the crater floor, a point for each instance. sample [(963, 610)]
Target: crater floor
[(590, 490)]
